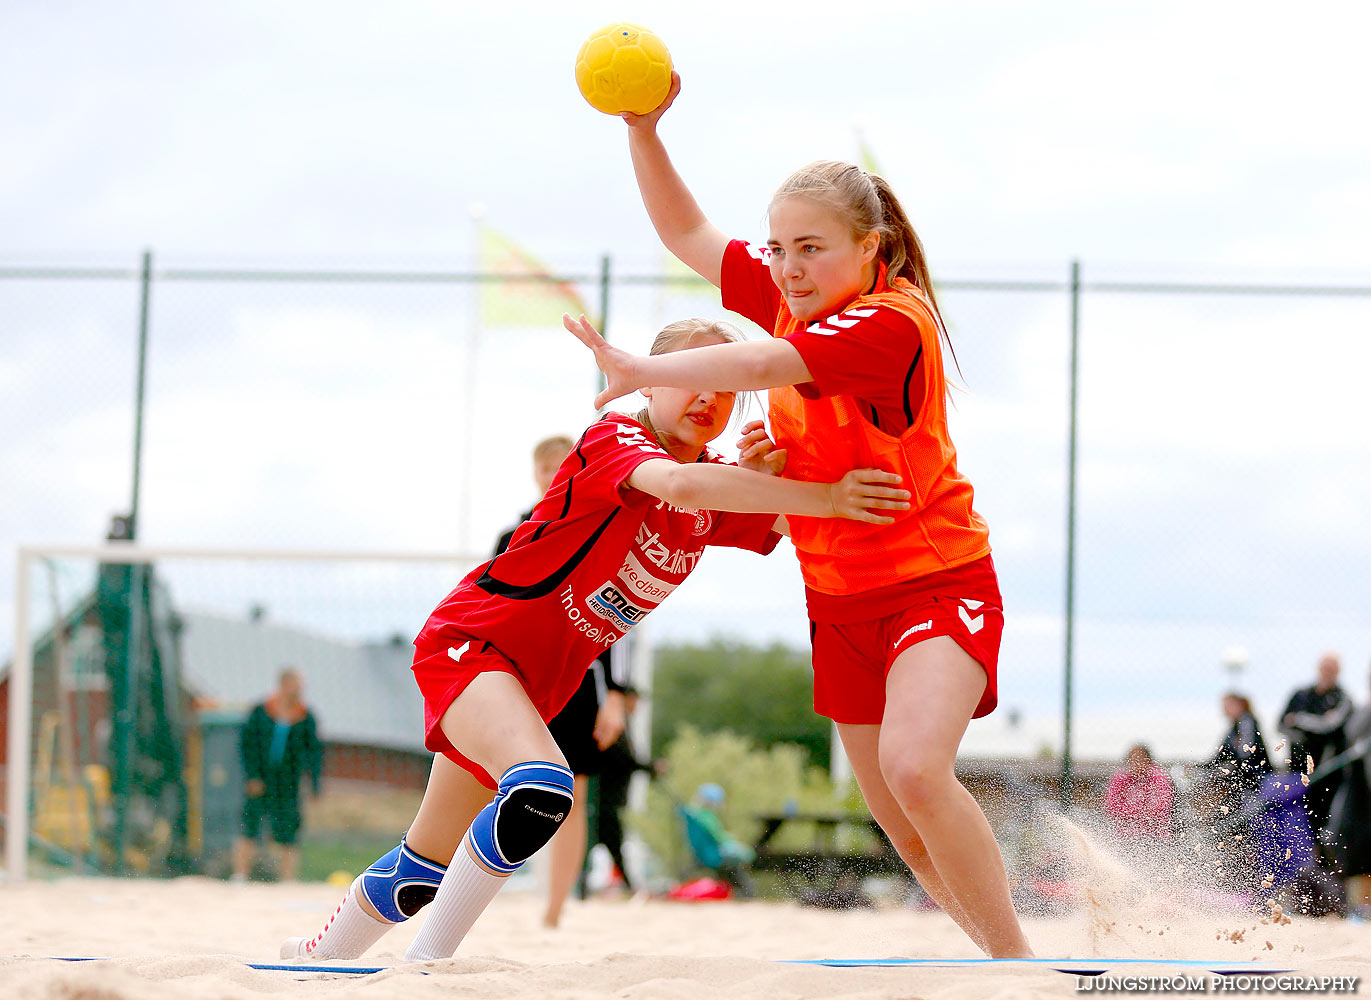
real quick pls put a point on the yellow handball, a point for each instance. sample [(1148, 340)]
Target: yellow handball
[(623, 67)]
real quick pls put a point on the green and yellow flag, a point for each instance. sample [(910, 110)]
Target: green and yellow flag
[(681, 279), (538, 301), (864, 158)]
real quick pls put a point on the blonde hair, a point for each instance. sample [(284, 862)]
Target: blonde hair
[(678, 336), (681, 336), (558, 446), (865, 203)]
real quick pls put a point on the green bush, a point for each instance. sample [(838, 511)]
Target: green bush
[(758, 781)]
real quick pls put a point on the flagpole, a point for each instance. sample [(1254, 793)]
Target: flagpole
[(600, 382), (469, 398)]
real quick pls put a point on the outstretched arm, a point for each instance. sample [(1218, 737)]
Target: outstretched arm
[(751, 364), (859, 495), (675, 215)]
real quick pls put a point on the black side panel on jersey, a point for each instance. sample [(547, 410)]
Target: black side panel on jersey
[(566, 500), (913, 367), (532, 591)]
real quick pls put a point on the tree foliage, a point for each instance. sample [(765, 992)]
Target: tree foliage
[(762, 693)]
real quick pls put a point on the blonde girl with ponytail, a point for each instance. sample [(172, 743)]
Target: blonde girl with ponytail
[(905, 617)]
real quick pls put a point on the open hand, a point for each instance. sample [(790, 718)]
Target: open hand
[(863, 491), (649, 120), (756, 451), (618, 365)]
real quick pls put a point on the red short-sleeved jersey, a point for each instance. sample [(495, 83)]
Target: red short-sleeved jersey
[(593, 560), (875, 396), (847, 354)]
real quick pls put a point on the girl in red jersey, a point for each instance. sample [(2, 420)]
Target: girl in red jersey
[(906, 617), (625, 520)]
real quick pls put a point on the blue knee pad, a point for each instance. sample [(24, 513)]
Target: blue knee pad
[(401, 883), (531, 802)]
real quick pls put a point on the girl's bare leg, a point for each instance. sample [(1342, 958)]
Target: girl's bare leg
[(566, 855), (451, 801), (493, 723), (931, 691), (861, 744)]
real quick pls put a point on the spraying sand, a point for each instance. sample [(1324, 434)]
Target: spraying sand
[(187, 938)]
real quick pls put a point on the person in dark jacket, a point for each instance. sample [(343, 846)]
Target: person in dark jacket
[(1241, 761), (279, 745), (1350, 817), (1315, 721), (618, 764)]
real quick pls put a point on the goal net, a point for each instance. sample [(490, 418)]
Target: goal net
[(133, 670)]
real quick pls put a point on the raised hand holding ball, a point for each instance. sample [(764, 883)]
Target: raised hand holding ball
[(623, 67)]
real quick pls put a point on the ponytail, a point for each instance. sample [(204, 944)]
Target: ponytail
[(866, 203), (901, 248)]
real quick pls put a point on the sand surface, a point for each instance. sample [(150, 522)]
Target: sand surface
[(188, 938)]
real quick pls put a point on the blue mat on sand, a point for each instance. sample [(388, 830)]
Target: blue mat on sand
[(311, 967), (1071, 966), (1075, 966)]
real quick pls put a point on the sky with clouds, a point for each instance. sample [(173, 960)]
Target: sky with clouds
[(1223, 441)]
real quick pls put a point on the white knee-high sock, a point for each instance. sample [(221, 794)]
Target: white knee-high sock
[(346, 934), (465, 892), (531, 801)]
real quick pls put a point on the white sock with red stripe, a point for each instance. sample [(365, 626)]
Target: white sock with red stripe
[(346, 934)]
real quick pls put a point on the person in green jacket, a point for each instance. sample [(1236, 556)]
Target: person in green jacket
[(279, 745)]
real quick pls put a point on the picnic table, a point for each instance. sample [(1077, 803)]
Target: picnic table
[(824, 869)]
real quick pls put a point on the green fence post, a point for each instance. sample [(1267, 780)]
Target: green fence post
[(144, 303), (1065, 791)]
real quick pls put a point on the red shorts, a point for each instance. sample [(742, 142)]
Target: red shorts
[(851, 661), (443, 670)]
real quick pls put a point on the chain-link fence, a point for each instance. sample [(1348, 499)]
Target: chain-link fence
[(1221, 465)]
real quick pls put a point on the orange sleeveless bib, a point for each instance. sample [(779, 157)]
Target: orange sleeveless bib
[(828, 437)]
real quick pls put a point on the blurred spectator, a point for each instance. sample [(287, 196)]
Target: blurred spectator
[(548, 455), (1281, 851), (1350, 816), (1240, 762), (1140, 798), (1314, 722), (711, 843), (618, 764), (279, 745)]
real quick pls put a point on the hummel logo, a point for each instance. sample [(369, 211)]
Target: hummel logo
[(910, 631), (973, 625), (840, 321)]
